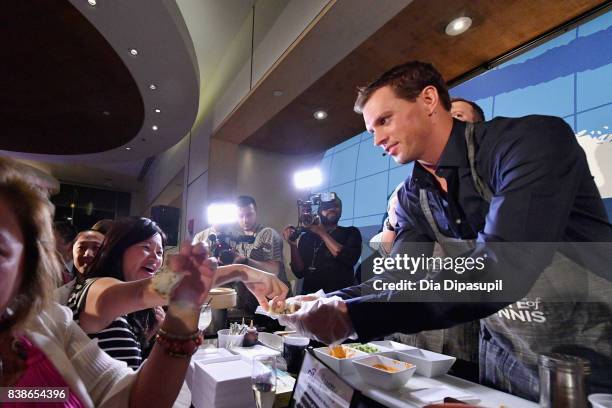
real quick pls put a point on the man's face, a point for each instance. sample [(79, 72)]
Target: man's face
[(247, 217), (63, 247), (463, 111), (400, 127), (85, 249), (330, 216)]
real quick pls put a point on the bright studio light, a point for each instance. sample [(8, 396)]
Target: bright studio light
[(222, 213), (307, 179)]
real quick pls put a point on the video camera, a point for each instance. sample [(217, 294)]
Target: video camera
[(308, 212), (222, 245)]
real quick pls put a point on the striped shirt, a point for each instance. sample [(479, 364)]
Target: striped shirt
[(119, 339)]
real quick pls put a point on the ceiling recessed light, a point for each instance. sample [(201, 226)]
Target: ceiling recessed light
[(134, 51), (277, 92), (152, 87), (320, 114), (128, 148), (157, 110), (106, 113), (458, 26), (91, 2), (154, 127)]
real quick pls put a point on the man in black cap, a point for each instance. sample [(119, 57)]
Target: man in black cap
[(324, 256)]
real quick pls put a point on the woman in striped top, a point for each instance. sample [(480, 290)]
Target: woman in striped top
[(116, 303), (131, 252)]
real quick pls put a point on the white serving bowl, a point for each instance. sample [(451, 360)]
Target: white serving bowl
[(392, 345), (428, 363), (381, 378), (601, 400), (379, 349), (339, 365)]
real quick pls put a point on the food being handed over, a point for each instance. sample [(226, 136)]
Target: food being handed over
[(165, 281), (283, 308)]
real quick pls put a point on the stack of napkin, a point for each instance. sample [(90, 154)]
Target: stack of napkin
[(221, 385)]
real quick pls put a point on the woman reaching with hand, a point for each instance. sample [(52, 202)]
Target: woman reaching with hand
[(40, 344)]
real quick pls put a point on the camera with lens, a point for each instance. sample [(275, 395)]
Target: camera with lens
[(308, 212), (222, 245)]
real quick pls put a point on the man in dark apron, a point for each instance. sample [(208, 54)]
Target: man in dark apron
[(516, 193)]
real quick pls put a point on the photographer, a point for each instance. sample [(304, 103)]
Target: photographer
[(324, 255), (263, 251)]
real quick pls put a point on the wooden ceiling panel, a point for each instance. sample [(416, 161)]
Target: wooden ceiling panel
[(417, 32)]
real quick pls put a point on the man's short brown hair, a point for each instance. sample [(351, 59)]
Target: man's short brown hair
[(407, 81)]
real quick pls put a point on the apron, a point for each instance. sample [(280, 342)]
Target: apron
[(512, 338)]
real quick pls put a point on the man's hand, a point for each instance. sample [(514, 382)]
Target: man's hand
[(264, 286), (287, 232), (325, 320)]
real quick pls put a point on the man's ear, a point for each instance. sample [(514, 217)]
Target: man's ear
[(430, 99)]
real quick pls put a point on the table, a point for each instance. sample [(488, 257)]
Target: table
[(401, 398)]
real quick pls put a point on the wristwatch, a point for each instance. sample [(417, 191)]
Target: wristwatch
[(388, 225)]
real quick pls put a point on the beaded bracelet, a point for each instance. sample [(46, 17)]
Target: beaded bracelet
[(179, 345), (173, 336)]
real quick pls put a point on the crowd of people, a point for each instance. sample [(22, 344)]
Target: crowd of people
[(119, 341), (45, 344)]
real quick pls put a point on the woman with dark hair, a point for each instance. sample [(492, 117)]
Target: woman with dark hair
[(40, 344), (132, 250), (116, 302)]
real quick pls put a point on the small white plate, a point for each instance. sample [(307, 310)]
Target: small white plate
[(601, 400), (256, 350), (270, 340), (437, 395), (393, 345)]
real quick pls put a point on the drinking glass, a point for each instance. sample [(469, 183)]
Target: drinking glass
[(263, 379), (205, 317)]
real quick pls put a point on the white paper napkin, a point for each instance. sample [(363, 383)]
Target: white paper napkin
[(437, 394)]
